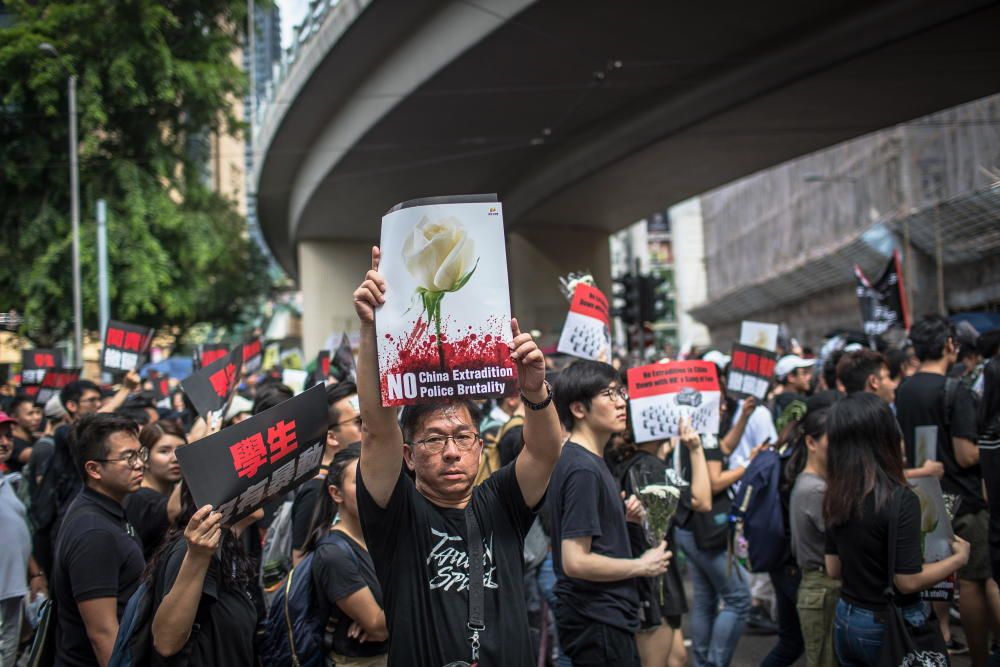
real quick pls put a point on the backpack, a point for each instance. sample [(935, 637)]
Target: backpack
[(276, 555), (135, 629), (757, 511), (293, 631), (493, 433)]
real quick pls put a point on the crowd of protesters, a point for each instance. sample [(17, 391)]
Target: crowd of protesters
[(510, 531)]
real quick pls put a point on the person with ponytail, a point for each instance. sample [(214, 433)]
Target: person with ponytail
[(818, 593), (347, 589), (864, 474), (208, 602)]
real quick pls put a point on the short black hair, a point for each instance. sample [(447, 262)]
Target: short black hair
[(896, 358), (830, 369), (16, 401), (415, 415), (929, 336), (854, 368), (336, 393), (74, 391), (271, 395), (580, 382), (989, 343), (89, 441)]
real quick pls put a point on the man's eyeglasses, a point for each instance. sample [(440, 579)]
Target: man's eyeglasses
[(91, 399), (357, 421), (611, 393), (134, 459), (435, 444)]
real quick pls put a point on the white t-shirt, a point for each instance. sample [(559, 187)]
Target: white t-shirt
[(759, 428)]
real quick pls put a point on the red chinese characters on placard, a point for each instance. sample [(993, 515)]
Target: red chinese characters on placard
[(281, 440), (45, 360), (208, 356), (251, 349), (758, 364), (250, 454), (222, 379), (116, 337), (133, 341)]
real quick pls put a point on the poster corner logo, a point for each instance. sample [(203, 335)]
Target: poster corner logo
[(493, 211)]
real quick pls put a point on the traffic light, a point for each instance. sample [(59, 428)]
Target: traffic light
[(653, 303), (627, 295)]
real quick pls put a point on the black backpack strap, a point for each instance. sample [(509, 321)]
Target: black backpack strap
[(477, 605), (950, 391), (895, 502)]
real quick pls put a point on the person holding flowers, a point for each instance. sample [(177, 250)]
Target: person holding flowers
[(597, 609)]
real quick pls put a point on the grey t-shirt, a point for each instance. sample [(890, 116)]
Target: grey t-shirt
[(17, 541), (806, 517)]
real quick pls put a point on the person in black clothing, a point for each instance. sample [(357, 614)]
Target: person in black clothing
[(28, 418), (98, 560), (989, 459), (344, 428), (157, 503), (597, 610), (207, 599), (417, 530), (864, 473), (939, 413), (660, 623), (347, 589)]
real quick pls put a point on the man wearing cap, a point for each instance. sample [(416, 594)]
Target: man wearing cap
[(794, 375)]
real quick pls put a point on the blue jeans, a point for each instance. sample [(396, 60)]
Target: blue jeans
[(790, 646), (857, 634), (714, 632)]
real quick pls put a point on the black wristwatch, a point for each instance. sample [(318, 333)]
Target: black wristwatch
[(544, 404)]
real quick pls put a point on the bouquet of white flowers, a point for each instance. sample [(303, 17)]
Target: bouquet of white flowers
[(660, 501)]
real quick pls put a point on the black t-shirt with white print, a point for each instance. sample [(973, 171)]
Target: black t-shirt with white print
[(421, 559)]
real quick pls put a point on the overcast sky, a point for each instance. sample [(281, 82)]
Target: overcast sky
[(292, 13)]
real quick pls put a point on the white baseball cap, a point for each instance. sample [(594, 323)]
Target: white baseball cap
[(718, 358), (789, 363)]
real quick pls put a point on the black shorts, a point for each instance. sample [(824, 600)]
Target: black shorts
[(587, 642)]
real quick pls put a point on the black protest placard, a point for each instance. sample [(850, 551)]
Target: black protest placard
[(253, 355), (125, 347), (209, 353), (751, 370), (322, 371), (55, 379), (241, 467), (34, 364), (161, 387), (343, 358), (883, 303), (210, 387)]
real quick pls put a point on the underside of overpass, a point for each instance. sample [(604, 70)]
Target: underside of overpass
[(585, 116)]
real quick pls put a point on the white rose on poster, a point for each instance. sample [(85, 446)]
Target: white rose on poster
[(439, 255)]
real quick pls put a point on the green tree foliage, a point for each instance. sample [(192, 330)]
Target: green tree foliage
[(157, 78)]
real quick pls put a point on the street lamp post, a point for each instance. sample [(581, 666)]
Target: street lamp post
[(74, 191)]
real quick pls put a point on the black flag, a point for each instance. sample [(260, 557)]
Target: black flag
[(883, 303)]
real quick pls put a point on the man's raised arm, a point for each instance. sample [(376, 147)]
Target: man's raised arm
[(542, 433), (382, 441)]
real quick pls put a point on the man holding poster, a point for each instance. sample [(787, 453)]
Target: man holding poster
[(450, 599)]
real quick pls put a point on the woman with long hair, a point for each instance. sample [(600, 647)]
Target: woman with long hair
[(208, 599), (817, 596), (347, 589), (864, 474), (157, 503)]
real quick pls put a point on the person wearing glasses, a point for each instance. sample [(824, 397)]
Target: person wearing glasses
[(98, 558), (343, 429), (597, 602), (416, 529)]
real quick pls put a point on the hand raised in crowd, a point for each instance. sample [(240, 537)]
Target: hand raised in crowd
[(204, 532), (749, 405), (653, 562), (960, 548), (529, 360), (634, 511), (371, 293), (132, 380), (689, 437)]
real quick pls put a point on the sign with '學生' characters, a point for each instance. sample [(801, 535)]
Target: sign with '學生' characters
[(661, 394), (444, 329), (241, 467)]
